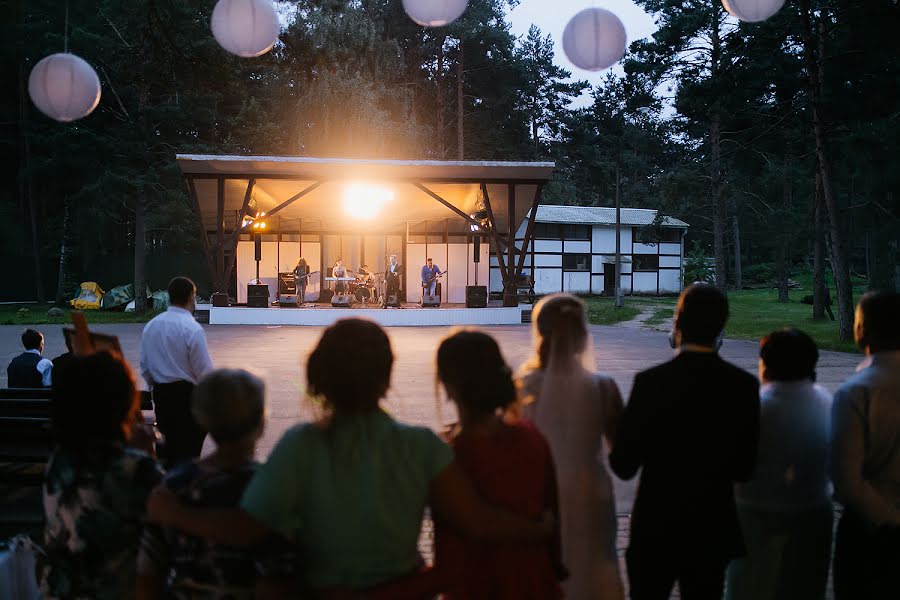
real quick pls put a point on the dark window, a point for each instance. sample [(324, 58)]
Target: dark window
[(670, 235), (646, 263), (655, 235), (577, 232), (576, 262), (645, 235), (546, 231)]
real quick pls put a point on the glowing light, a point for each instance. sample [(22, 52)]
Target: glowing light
[(365, 201)]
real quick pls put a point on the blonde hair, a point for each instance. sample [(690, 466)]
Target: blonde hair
[(230, 404), (558, 322)]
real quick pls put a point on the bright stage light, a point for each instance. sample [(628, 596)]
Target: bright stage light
[(365, 201)]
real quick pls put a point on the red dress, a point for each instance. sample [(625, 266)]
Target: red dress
[(512, 470)]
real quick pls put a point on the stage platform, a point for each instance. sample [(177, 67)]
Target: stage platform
[(411, 315)]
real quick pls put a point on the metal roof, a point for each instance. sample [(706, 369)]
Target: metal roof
[(602, 215)]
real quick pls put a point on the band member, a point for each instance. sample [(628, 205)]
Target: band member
[(339, 270), (430, 273), (392, 277), (301, 278), (364, 275)]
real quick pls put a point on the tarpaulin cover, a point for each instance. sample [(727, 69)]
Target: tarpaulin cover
[(118, 296), (89, 296)]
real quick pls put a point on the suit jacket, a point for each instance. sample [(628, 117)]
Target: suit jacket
[(692, 425)]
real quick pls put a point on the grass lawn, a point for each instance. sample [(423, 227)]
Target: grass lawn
[(36, 314), (603, 311)]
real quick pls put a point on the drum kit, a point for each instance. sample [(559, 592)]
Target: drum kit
[(363, 287)]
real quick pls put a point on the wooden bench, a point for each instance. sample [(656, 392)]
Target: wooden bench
[(26, 442)]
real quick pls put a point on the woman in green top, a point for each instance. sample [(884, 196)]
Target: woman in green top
[(350, 489)]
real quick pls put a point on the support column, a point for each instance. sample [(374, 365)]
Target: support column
[(510, 297), (220, 284)]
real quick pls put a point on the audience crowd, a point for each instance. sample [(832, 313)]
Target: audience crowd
[(737, 475)]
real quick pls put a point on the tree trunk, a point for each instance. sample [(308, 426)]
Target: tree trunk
[(715, 143), (439, 79), (140, 294), (839, 262), (738, 278), (25, 189), (460, 106), (819, 299), (64, 252), (784, 254)]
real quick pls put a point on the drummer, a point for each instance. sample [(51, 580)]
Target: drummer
[(339, 270), (364, 276)]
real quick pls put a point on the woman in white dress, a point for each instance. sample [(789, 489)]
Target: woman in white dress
[(576, 408)]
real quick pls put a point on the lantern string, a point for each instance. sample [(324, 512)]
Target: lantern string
[(66, 30)]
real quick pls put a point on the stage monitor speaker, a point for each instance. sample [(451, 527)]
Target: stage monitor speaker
[(220, 299), (431, 301), (476, 248), (286, 283), (288, 300), (341, 300), (476, 296), (392, 300), (325, 296), (257, 247), (258, 296)]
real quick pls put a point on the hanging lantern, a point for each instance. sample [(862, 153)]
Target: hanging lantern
[(247, 28), (435, 13), (64, 87), (594, 39), (752, 11)]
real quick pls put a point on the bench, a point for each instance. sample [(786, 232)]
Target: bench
[(524, 287), (26, 442)]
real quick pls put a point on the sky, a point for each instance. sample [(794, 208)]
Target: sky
[(552, 15)]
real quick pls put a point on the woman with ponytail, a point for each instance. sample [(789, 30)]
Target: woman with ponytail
[(511, 468), (576, 409)]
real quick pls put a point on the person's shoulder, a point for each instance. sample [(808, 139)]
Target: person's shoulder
[(735, 372)]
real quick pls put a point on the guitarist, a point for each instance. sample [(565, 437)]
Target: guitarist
[(301, 278), (430, 273)]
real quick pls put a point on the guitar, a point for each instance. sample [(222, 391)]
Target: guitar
[(432, 279)]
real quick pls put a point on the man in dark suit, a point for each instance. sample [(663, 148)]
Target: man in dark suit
[(692, 425)]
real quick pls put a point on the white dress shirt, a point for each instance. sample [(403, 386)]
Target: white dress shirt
[(865, 458), (173, 348), (45, 368)]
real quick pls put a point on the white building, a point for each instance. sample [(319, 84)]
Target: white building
[(574, 251)]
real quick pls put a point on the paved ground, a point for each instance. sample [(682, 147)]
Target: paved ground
[(277, 354)]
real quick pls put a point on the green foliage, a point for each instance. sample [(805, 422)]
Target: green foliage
[(760, 274), (603, 311), (697, 265)]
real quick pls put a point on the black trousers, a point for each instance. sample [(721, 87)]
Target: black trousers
[(652, 578), (183, 435), (866, 560)]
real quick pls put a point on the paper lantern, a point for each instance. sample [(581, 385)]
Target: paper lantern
[(752, 11), (435, 13), (247, 28), (64, 87), (594, 39)]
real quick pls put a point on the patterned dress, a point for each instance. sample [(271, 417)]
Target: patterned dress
[(94, 503), (196, 568)]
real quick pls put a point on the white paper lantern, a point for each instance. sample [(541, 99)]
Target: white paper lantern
[(752, 11), (594, 39), (435, 13), (64, 87), (247, 28)]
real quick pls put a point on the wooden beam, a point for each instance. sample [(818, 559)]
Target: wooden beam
[(468, 219), (220, 235), (529, 232), (291, 200), (510, 232), (236, 234), (204, 238), (492, 234)]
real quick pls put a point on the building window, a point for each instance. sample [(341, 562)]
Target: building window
[(577, 232), (670, 235), (655, 235), (648, 262), (576, 262), (546, 231)]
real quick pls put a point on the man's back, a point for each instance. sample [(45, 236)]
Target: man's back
[(692, 425), (173, 348), (22, 371)]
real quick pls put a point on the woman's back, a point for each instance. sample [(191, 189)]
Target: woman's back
[(352, 495)]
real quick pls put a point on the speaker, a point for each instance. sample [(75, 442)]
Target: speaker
[(288, 300), (476, 296), (476, 249), (392, 300), (341, 300), (286, 284), (220, 299), (431, 300), (257, 247), (258, 296), (325, 296)]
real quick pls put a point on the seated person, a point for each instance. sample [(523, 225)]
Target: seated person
[(30, 369), (339, 270), (95, 487), (230, 404)]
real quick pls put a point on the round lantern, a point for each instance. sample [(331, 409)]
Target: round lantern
[(594, 39), (752, 11), (247, 28), (435, 13), (64, 87)]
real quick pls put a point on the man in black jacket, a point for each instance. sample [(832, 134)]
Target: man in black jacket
[(692, 425), (30, 369)]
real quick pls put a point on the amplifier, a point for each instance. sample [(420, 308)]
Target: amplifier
[(219, 299), (286, 283), (258, 296), (431, 300), (288, 300), (476, 296), (341, 300), (392, 300)]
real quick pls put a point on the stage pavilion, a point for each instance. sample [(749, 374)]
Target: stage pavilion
[(463, 214)]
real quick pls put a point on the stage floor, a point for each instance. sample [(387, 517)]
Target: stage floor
[(410, 315)]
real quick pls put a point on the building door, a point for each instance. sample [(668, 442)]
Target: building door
[(609, 280)]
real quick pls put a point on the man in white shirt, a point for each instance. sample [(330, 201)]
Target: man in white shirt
[(30, 369), (174, 357), (865, 458)]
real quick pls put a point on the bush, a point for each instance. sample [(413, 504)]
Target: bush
[(696, 266), (761, 274)]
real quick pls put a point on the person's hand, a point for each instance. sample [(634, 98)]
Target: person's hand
[(162, 506)]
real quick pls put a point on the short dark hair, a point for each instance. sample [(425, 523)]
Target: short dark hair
[(701, 314), (94, 398), (356, 342), (181, 290), (32, 338), (428, 260), (788, 355), (471, 362), (881, 319)]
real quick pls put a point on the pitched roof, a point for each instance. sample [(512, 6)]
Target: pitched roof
[(601, 215)]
